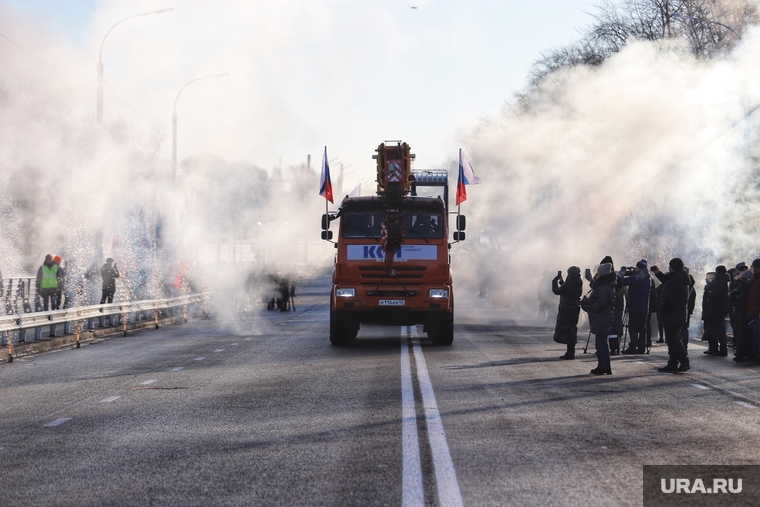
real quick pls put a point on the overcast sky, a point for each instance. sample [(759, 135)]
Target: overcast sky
[(303, 73)]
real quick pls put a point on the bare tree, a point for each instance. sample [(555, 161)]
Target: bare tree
[(711, 28)]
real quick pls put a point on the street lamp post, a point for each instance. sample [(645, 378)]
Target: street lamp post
[(100, 60), (694, 18), (174, 121)]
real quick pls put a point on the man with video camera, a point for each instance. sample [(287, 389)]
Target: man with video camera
[(673, 308), (638, 282)]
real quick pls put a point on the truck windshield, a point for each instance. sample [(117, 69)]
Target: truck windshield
[(416, 224)]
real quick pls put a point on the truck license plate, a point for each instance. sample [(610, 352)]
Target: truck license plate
[(392, 302)]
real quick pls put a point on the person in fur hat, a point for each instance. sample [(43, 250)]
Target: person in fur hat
[(569, 292), (600, 306)]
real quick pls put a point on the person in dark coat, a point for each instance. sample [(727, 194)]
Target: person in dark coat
[(569, 292), (110, 273), (714, 311), (708, 334), (752, 344), (600, 306), (617, 327), (638, 306), (653, 307), (691, 303), (673, 308)]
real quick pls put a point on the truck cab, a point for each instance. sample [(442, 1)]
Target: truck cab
[(414, 285)]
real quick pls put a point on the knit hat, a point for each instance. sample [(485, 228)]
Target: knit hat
[(741, 266), (756, 264), (607, 260), (604, 269), (721, 270), (109, 260), (642, 264), (573, 270), (48, 258), (57, 258), (676, 264)]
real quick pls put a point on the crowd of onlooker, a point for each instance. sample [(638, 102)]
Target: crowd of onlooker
[(638, 301)]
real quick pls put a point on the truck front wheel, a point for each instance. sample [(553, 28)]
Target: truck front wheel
[(342, 328), (441, 328)]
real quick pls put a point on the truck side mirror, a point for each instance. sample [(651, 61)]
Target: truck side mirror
[(327, 235), (459, 236), (325, 222), (461, 223)]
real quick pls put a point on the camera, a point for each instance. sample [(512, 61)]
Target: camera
[(654, 268), (630, 270)]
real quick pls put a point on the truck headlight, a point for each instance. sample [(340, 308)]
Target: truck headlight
[(345, 293), (439, 293)]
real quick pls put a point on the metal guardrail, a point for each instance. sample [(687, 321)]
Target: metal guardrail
[(82, 316)]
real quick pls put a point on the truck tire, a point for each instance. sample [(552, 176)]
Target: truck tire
[(441, 328), (342, 328)]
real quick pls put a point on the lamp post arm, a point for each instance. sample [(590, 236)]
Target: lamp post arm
[(193, 81), (100, 53)]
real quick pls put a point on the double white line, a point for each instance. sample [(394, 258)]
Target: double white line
[(445, 475)]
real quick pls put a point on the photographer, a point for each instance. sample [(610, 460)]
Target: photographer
[(569, 292), (638, 282), (673, 308), (600, 306)]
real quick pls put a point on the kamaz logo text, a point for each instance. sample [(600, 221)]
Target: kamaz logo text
[(376, 252), (686, 486)]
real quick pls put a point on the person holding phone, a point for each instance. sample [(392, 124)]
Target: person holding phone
[(569, 292)]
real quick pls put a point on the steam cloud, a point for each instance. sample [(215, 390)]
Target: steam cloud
[(651, 155)]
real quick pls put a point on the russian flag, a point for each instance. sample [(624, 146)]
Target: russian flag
[(466, 177), (325, 185)]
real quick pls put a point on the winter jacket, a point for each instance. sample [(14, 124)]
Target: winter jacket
[(601, 304), (566, 330), (715, 299), (638, 291), (753, 298), (109, 274), (674, 298)]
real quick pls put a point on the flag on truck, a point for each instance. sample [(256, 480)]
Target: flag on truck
[(325, 185), (466, 177)]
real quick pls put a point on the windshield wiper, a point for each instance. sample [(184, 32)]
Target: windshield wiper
[(366, 233)]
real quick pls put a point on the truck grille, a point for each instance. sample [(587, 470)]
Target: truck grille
[(402, 272)]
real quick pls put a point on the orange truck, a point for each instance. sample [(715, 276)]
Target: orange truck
[(392, 265)]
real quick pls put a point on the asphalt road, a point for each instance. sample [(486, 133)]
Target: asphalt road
[(271, 414)]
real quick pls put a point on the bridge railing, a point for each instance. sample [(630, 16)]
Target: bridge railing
[(88, 316)]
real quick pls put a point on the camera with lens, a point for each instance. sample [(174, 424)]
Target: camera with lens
[(629, 270)]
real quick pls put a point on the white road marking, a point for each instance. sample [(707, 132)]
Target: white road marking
[(412, 492), (200, 358), (178, 368), (248, 339), (109, 400), (700, 386), (57, 421), (745, 404), (234, 344), (219, 350), (147, 382), (445, 475)]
